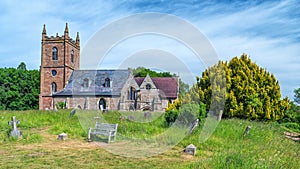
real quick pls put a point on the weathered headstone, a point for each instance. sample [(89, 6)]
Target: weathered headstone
[(194, 125), (122, 118), (62, 136), (55, 108), (66, 103), (131, 118), (15, 132), (147, 115), (247, 130), (190, 149), (72, 113), (220, 115)]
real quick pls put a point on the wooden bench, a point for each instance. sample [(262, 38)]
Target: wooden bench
[(104, 129)]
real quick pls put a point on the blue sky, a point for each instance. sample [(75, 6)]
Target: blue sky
[(268, 31)]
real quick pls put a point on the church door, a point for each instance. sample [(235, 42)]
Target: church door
[(102, 104)]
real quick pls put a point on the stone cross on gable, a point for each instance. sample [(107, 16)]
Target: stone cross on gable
[(14, 132)]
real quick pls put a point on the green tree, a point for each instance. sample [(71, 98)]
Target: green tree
[(297, 95), (183, 89), (142, 72), (22, 66), (251, 91), (19, 88)]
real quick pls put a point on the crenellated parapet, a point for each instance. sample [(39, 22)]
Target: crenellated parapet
[(62, 38)]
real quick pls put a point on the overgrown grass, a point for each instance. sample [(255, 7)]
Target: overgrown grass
[(264, 147)]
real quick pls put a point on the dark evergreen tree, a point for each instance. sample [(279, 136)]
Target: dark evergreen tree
[(297, 95)]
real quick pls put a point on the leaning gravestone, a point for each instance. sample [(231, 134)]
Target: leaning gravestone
[(194, 125), (15, 132), (247, 130), (72, 113), (190, 149)]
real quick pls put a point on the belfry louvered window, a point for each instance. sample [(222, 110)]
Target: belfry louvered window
[(54, 53)]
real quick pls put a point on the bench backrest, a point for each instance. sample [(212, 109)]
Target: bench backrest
[(106, 126)]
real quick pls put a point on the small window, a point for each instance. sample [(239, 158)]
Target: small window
[(148, 86), (54, 87), (86, 82), (54, 72), (72, 56), (54, 53), (107, 82)]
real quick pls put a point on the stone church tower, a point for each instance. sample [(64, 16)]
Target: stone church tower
[(60, 55)]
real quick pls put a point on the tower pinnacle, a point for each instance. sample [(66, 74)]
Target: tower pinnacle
[(66, 29), (77, 39), (44, 29)]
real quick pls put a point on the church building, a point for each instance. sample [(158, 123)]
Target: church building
[(61, 80)]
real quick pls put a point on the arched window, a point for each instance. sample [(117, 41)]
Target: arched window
[(107, 82), (72, 56), (85, 82), (54, 87), (54, 53), (131, 93)]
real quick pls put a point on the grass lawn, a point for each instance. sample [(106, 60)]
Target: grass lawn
[(264, 147)]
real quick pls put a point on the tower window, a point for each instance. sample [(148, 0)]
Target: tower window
[(72, 56), (85, 82), (107, 82), (54, 53), (54, 87), (54, 72)]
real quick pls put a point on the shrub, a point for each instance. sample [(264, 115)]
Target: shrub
[(171, 116), (60, 105), (186, 114)]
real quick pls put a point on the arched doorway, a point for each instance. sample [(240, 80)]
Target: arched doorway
[(102, 104)]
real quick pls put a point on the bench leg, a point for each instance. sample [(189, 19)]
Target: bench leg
[(108, 139), (89, 134)]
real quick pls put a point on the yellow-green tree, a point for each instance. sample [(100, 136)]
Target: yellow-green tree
[(251, 91)]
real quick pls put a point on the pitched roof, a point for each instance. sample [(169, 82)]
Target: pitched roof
[(96, 80), (168, 86)]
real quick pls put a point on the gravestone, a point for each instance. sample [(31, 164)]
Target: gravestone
[(131, 118), (194, 125), (122, 118), (247, 130), (72, 113), (220, 115), (147, 115), (62, 136), (55, 108), (15, 132), (190, 149)]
